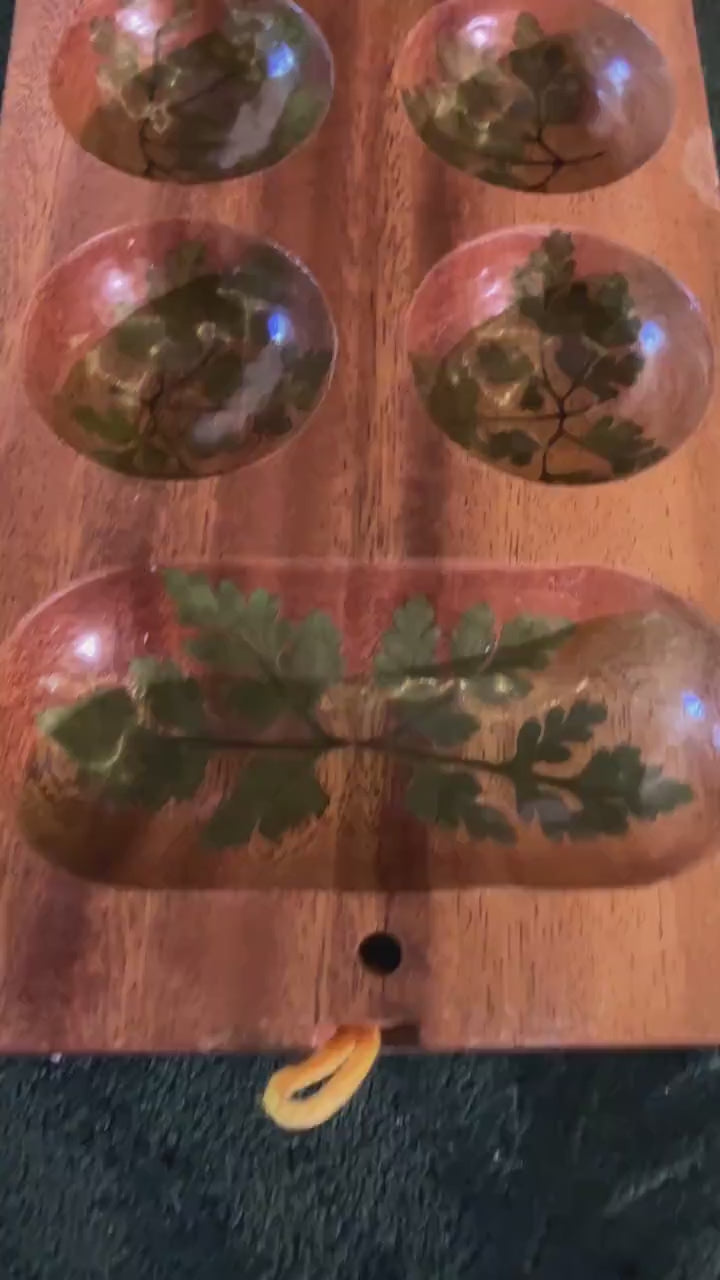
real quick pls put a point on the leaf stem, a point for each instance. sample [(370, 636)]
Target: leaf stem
[(227, 77), (563, 413), (151, 431), (530, 418), (298, 706), (546, 381), (384, 746), (595, 155), (555, 162), (153, 86), (499, 658), (556, 436), (541, 141)]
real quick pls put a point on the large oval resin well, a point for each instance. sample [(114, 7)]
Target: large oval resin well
[(344, 726), (559, 356), (555, 96), (177, 350), (195, 90)]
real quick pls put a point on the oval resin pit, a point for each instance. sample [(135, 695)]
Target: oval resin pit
[(177, 350), (559, 356), (299, 724), (556, 96), (192, 90)]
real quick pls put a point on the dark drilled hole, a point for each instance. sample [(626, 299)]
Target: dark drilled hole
[(380, 953)]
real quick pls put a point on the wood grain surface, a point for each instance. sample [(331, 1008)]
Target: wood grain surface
[(369, 212)]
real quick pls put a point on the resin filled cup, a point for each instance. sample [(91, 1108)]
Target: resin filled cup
[(305, 724), (192, 90), (552, 96), (176, 350), (559, 356)]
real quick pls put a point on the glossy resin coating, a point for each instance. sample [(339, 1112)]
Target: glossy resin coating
[(176, 350), (306, 725), (559, 356), (192, 90), (555, 96)]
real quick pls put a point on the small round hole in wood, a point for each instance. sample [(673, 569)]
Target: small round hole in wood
[(380, 953)]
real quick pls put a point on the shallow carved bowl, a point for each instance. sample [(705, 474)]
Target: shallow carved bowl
[(192, 90), (177, 350), (304, 724), (554, 96), (559, 356)]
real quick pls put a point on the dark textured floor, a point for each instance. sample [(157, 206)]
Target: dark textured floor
[(547, 1168), (551, 1167)]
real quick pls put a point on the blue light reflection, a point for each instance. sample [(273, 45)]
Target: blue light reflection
[(280, 61), (652, 338), (279, 327), (693, 706), (619, 72)]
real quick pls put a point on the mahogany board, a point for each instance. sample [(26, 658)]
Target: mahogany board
[(369, 211)]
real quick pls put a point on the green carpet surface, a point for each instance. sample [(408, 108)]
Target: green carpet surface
[(548, 1167)]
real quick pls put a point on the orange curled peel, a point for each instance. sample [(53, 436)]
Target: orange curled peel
[(342, 1064)]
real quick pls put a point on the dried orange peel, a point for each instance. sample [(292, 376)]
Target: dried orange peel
[(342, 1064)]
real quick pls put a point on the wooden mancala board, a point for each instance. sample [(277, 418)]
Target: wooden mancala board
[(359, 520)]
